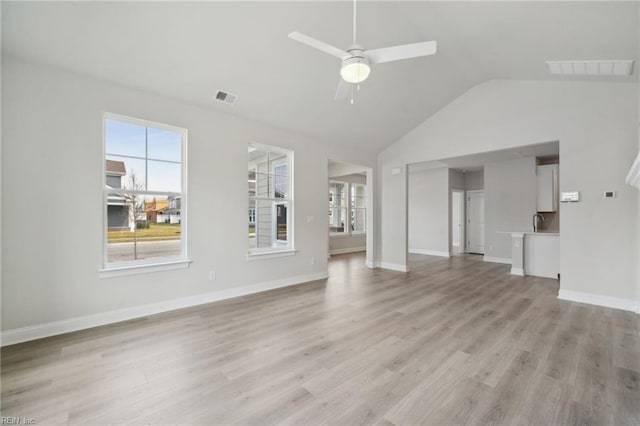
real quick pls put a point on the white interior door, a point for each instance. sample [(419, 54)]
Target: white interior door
[(475, 222)]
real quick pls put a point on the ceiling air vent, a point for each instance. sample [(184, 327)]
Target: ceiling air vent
[(227, 98), (600, 68)]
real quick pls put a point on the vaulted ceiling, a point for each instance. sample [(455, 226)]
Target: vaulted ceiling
[(190, 50)]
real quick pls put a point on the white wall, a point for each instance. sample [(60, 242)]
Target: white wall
[(52, 162), (456, 179), (596, 124), (429, 211), (510, 202)]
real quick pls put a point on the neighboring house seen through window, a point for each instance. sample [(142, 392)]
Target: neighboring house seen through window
[(270, 199), (144, 192)]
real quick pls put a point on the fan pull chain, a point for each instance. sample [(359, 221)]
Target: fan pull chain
[(352, 94)]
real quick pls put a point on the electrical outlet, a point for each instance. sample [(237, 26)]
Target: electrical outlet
[(212, 275)]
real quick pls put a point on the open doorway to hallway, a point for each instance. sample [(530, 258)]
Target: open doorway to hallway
[(349, 208)]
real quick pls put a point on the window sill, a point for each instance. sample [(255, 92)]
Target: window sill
[(339, 235), (270, 254), (119, 271)]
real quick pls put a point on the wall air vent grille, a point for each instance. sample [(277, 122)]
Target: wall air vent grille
[(591, 68), (227, 98)]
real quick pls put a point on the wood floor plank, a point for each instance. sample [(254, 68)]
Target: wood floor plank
[(454, 341)]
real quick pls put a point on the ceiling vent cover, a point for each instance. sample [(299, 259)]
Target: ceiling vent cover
[(227, 98), (597, 68)]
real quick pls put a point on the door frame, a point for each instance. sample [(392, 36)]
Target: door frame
[(463, 219), (466, 209)]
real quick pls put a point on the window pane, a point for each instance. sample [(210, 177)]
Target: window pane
[(140, 227), (337, 219), (337, 194), (163, 176), (281, 181), (164, 145), (271, 172), (358, 220), (358, 196), (125, 173), (252, 224), (271, 224), (124, 138), (251, 184)]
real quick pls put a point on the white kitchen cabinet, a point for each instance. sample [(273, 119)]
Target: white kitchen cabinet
[(547, 184)]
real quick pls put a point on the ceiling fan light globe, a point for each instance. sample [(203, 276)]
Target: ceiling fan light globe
[(355, 70)]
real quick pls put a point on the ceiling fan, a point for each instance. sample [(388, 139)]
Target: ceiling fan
[(356, 60)]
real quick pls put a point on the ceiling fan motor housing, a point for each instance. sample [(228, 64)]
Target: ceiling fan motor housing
[(355, 69)]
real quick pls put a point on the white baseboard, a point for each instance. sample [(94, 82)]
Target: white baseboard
[(347, 250), (39, 331), (393, 266), (599, 300), (516, 271), (370, 265), (505, 260), (430, 252)]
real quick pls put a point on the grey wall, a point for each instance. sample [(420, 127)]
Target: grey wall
[(429, 211), (474, 181), (510, 202), (501, 114), (48, 275), (456, 179)]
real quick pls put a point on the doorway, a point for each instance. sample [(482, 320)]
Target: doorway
[(475, 222), (457, 222)]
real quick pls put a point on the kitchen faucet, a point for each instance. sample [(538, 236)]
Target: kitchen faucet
[(535, 221)]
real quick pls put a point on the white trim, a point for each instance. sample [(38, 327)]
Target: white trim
[(347, 250), (504, 260), (142, 268), (430, 252), (270, 254), (370, 265), (633, 177), (599, 300), (39, 331), (517, 271), (393, 266)]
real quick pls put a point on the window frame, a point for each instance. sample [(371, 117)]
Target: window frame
[(348, 232), (347, 199), (276, 249), (119, 268)]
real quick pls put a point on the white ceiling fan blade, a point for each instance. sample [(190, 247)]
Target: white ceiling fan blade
[(343, 91), (320, 45), (405, 51)]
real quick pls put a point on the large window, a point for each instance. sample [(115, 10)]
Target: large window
[(270, 192), (144, 192), (347, 208)]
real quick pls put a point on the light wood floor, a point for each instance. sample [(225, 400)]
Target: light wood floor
[(455, 341)]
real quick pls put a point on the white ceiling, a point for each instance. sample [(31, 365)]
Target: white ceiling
[(475, 162), (189, 50)]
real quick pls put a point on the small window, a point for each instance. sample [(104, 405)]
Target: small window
[(144, 192), (270, 199), (347, 208), (338, 220)]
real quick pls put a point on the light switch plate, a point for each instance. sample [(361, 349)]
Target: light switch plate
[(569, 197)]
